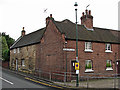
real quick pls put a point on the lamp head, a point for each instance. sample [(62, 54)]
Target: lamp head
[(75, 4)]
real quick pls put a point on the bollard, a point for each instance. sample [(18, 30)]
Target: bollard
[(50, 76), (64, 78), (115, 81), (88, 82)]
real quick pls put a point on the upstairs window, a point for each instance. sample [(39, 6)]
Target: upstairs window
[(88, 66), (108, 47), (18, 50), (14, 50), (88, 47)]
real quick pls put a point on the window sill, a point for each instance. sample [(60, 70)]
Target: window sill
[(108, 51), (89, 70), (88, 50), (109, 69)]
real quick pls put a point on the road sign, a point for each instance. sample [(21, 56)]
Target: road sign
[(77, 71), (68, 49), (76, 66)]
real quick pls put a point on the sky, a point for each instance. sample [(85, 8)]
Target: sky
[(15, 14)]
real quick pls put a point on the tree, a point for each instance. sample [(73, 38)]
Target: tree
[(4, 48), (7, 41)]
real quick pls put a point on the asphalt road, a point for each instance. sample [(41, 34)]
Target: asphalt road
[(11, 81)]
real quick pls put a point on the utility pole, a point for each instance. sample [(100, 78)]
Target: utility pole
[(77, 79)]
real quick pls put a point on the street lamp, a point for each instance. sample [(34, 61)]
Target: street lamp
[(77, 79)]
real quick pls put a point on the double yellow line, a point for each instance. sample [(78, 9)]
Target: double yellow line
[(43, 83)]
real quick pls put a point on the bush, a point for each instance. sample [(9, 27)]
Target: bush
[(6, 55), (108, 65)]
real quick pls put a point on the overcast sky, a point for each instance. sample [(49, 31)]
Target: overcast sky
[(15, 14)]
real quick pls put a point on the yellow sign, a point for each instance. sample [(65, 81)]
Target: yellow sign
[(76, 66)]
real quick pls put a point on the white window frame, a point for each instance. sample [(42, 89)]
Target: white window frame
[(88, 69), (18, 50), (109, 68), (108, 48), (14, 50), (23, 62), (88, 47)]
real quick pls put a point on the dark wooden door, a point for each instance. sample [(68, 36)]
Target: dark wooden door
[(118, 68), (73, 71)]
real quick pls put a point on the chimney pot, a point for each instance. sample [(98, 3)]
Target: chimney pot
[(83, 14), (23, 28), (23, 32), (89, 12), (50, 15), (86, 12)]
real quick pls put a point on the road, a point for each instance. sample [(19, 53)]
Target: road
[(11, 81)]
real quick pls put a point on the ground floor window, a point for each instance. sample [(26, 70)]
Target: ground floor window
[(109, 65), (88, 66), (23, 62)]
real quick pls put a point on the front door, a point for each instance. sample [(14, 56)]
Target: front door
[(16, 64), (73, 71), (118, 68)]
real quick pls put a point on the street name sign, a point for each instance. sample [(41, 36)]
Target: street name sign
[(68, 49)]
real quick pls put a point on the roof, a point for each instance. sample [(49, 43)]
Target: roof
[(29, 39), (69, 29), (98, 34)]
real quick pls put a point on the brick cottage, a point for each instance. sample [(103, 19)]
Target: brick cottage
[(53, 48)]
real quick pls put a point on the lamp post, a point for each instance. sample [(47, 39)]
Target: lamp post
[(77, 79)]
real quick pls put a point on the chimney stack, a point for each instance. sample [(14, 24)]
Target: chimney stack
[(23, 32), (50, 15), (48, 19), (87, 19)]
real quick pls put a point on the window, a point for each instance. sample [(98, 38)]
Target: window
[(14, 50), (109, 65), (108, 47), (18, 50), (88, 66), (88, 47), (23, 62)]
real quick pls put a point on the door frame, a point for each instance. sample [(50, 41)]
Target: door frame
[(16, 64)]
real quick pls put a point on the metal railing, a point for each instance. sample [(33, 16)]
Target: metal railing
[(86, 80)]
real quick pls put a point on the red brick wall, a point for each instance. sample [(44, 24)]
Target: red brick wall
[(5, 64), (50, 54), (98, 56), (52, 58)]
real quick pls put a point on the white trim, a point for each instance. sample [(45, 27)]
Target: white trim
[(109, 69), (108, 51), (106, 47), (88, 50), (89, 70)]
